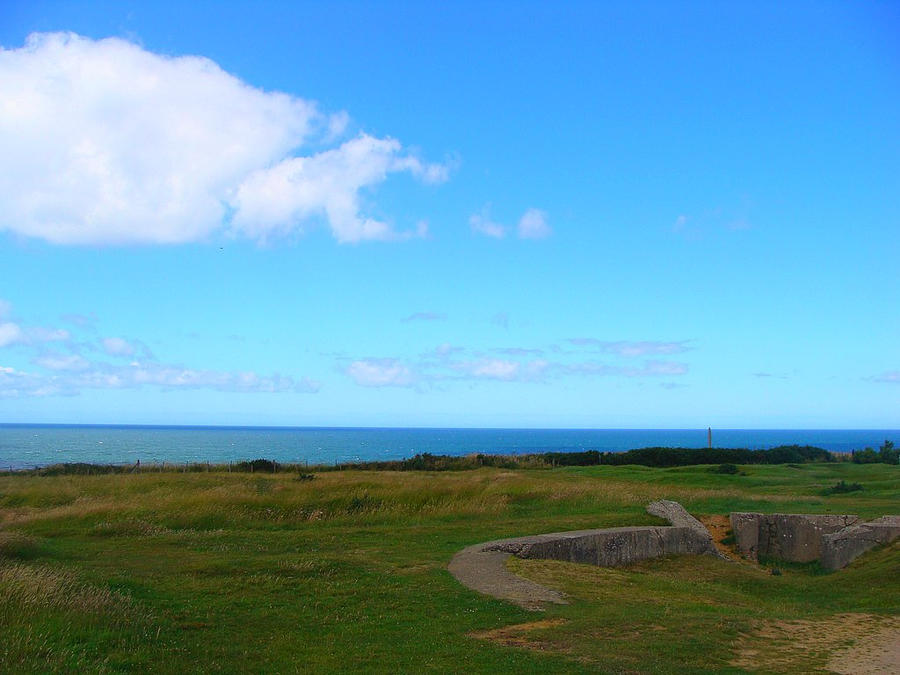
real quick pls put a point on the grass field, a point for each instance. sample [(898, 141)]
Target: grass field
[(227, 572)]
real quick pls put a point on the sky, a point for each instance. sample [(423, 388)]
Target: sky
[(585, 215)]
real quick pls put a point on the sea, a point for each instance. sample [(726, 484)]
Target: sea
[(26, 446)]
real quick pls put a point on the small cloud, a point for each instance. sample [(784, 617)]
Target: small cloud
[(739, 224), (337, 125), (765, 375), (649, 369), (891, 377), (482, 224), (502, 369), (533, 225), (518, 351), (10, 334), (653, 368), (81, 320), (695, 225), (116, 346), (63, 362), (494, 369), (500, 319), (380, 373), (39, 334), (445, 350), (632, 348), (424, 316)]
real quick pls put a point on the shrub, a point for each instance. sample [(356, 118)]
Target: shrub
[(265, 465), (729, 469), (842, 487)]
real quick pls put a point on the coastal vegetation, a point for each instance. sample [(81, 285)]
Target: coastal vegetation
[(653, 456), (317, 571)]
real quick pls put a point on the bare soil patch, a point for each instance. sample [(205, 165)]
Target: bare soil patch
[(720, 528), (850, 644), (520, 634)]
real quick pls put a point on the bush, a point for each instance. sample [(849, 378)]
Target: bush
[(842, 487), (257, 465), (728, 469), (888, 454), (665, 457)]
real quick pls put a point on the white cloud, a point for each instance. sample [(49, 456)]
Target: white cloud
[(70, 373), (40, 334), (500, 319), (503, 369), (63, 362), (327, 185), (654, 368), (891, 376), (632, 348), (73, 373), (424, 316), (380, 373), (519, 351), (116, 346), (175, 377), (482, 224), (443, 351), (448, 363), (649, 369), (533, 225), (107, 143), (10, 334)]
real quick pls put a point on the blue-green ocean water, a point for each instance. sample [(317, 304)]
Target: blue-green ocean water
[(30, 445)]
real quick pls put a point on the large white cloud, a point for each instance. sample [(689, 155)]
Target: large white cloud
[(325, 185), (105, 142)]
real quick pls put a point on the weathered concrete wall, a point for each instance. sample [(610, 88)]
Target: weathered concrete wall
[(678, 516), (842, 547), (607, 548), (790, 537)]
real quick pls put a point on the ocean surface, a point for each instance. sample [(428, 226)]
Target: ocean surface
[(31, 445)]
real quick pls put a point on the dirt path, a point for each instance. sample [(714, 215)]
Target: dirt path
[(849, 644), (486, 572), (719, 528)]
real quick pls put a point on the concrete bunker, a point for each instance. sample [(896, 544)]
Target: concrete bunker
[(833, 540), (482, 567)]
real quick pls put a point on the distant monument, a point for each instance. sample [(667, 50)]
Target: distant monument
[(709, 437)]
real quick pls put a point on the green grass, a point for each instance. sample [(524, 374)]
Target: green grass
[(227, 572)]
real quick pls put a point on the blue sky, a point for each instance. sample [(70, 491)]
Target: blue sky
[(468, 214)]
